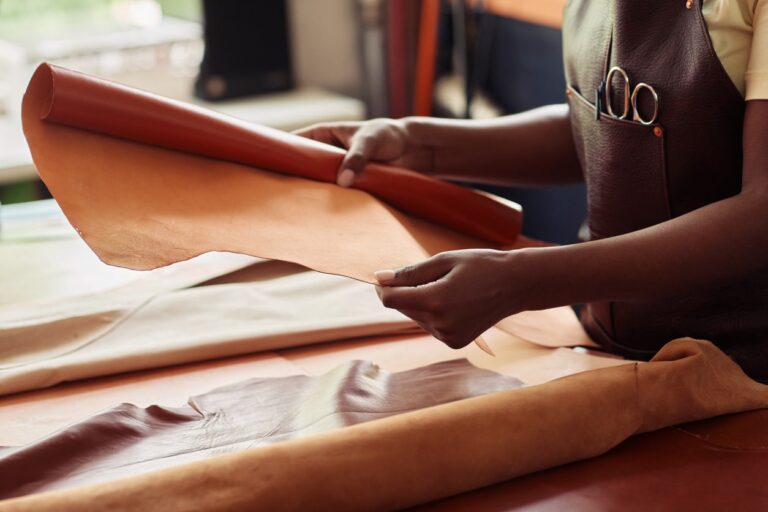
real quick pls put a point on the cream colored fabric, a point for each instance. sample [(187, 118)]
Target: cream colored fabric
[(111, 333), (43, 257), (739, 33)]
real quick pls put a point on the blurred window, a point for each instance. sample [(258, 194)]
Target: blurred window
[(130, 40)]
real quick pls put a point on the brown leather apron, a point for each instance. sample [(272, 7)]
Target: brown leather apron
[(638, 176)]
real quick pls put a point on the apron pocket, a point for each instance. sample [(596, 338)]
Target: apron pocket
[(624, 167)]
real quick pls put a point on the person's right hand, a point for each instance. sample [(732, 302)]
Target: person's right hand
[(382, 140)]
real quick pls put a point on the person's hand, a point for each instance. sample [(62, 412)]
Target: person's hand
[(382, 140), (458, 295)]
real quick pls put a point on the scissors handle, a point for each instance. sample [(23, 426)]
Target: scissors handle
[(609, 92), (636, 116)]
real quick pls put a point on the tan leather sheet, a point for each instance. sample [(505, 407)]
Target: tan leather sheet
[(148, 181), (420, 456), (531, 363), (556, 327)]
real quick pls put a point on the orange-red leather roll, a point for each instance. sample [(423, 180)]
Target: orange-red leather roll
[(85, 102)]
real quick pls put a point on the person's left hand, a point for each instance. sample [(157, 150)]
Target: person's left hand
[(456, 295)]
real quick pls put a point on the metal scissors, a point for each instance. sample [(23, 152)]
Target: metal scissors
[(630, 97)]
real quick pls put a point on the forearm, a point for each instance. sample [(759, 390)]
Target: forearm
[(711, 246), (533, 148)]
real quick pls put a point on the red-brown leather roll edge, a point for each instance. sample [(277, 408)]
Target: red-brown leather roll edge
[(86, 102)]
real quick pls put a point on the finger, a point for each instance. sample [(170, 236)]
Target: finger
[(361, 148), (319, 132), (426, 321), (427, 271), (334, 134), (679, 349), (423, 320), (419, 316), (421, 298)]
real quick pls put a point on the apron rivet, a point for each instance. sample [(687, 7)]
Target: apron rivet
[(688, 4), (657, 131)]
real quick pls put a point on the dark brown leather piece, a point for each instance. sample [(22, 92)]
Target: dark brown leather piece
[(128, 440), (712, 465), (81, 101), (638, 176)]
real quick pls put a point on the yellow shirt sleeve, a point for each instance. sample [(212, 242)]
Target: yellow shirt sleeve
[(756, 76)]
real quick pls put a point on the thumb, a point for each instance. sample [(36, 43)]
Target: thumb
[(418, 274), (359, 153)]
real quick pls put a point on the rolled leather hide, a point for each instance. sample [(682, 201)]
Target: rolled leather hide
[(148, 181)]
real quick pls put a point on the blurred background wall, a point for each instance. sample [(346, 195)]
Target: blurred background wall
[(288, 63)]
